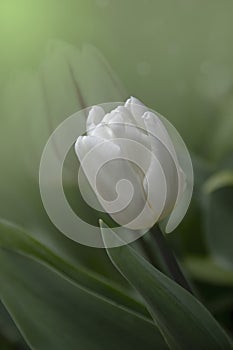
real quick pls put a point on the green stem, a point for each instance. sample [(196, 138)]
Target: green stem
[(169, 259), (148, 251), (163, 254)]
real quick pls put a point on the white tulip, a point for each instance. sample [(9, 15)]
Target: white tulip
[(131, 164)]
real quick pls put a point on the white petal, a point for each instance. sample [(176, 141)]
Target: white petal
[(157, 129), (95, 116), (105, 169), (123, 125), (117, 125), (137, 108), (160, 131), (166, 160), (130, 132), (155, 190), (84, 144), (103, 131), (124, 112)]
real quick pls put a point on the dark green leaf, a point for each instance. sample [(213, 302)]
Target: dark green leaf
[(53, 313), (219, 225), (182, 319), (207, 270), (14, 239)]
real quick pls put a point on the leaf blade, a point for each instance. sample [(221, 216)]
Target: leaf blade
[(183, 320), (53, 313)]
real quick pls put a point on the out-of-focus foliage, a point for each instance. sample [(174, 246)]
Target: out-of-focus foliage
[(177, 57)]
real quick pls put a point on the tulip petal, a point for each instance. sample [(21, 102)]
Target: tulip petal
[(159, 130), (166, 160), (137, 108), (132, 166), (185, 172), (114, 182), (95, 116), (103, 131)]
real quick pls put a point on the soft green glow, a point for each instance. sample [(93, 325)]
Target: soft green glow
[(26, 27), (23, 29)]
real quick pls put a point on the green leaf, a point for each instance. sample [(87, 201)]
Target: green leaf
[(218, 180), (182, 319), (53, 313), (219, 225), (207, 270), (14, 239), (9, 333)]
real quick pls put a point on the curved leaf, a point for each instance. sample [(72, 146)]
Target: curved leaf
[(219, 225), (207, 270), (219, 180), (53, 313), (17, 240), (182, 319)]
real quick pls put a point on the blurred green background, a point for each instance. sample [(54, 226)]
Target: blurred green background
[(175, 56)]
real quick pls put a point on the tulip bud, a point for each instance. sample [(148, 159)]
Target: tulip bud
[(131, 162)]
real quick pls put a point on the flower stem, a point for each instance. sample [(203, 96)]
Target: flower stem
[(169, 259), (148, 251)]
